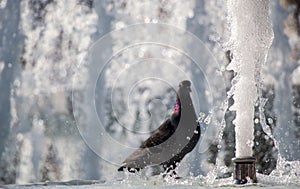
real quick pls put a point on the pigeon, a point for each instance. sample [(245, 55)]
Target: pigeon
[(176, 137)]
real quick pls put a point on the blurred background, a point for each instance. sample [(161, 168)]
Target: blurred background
[(43, 42)]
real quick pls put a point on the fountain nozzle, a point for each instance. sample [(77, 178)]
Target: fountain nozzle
[(244, 168)]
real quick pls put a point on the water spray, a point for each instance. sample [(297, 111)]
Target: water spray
[(250, 40)]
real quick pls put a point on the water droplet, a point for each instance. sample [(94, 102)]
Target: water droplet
[(288, 167), (109, 7), (154, 20), (141, 54), (202, 114), (20, 137), (191, 14), (164, 52), (201, 117), (40, 122), (17, 82), (196, 132), (223, 68), (188, 138), (3, 4), (207, 119), (120, 25), (2, 65), (207, 93), (256, 120), (267, 137), (270, 120), (147, 20)]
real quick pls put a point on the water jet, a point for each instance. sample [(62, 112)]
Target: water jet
[(250, 40)]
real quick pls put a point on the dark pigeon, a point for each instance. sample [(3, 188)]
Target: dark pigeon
[(168, 144)]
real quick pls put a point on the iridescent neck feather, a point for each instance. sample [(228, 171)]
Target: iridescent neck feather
[(177, 107)]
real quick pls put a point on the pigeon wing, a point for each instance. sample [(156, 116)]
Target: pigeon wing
[(160, 135)]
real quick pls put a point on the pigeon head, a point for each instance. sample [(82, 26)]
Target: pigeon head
[(183, 93), (185, 86)]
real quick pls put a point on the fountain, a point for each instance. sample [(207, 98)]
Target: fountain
[(251, 38)]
